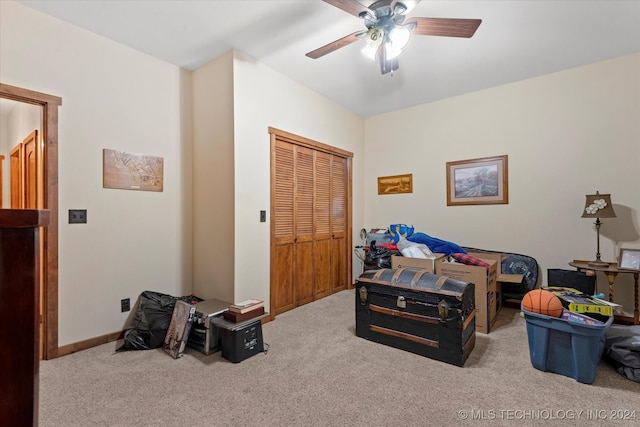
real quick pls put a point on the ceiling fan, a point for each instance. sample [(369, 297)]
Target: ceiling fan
[(387, 31)]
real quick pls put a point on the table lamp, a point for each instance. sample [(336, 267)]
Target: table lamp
[(598, 206)]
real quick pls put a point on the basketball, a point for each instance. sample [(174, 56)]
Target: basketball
[(541, 301)]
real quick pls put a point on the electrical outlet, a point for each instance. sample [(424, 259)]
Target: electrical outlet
[(263, 216), (77, 216), (125, 305)]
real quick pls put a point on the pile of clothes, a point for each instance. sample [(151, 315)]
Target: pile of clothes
[(384, 243), (622, 350)]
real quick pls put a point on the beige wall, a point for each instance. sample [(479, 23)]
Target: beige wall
[(112, 97), (236, 100), (263, 98), (567, 134), (213, 180)]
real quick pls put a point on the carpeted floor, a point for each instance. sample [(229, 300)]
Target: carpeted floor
[(317, 372)]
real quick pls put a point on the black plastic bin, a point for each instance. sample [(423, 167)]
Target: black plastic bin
[(578, 280), (241, 340)]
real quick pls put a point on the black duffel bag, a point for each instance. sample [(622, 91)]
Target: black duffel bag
[(378, 257)]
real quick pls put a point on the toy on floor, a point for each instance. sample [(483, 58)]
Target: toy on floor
[(543, 302)]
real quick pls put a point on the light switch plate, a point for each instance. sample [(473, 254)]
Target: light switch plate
[(77, 216)]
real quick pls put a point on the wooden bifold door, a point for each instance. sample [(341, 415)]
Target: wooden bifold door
[(310, 220)]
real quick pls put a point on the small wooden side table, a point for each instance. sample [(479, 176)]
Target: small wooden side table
[(611, 271)]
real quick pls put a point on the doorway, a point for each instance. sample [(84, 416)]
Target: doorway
[(49, 105)]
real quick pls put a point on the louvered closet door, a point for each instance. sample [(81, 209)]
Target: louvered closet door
[(339, 252), (310, 221), (293, 276), (303, 274), (282, 291), (322, 224)]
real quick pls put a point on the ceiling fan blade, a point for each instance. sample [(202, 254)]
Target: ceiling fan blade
[(349, 6), (335, 45), (447, 27)]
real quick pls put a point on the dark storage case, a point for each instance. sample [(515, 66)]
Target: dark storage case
[(417, 311), (240, 340), (579, 280)]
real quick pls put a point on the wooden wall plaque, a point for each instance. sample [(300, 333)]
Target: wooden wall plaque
[(131, 171)]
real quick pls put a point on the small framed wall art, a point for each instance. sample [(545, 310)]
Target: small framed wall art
[(629, 259), (482, 181), (395, 184), (131, 171)]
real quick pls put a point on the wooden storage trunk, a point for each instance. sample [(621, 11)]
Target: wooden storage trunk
[(417, 311)]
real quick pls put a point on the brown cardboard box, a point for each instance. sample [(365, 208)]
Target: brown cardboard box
[(502, 278), (509, 278), (421, 263), (486, 288)]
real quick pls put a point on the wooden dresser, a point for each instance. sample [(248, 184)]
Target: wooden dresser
[(19, 314)]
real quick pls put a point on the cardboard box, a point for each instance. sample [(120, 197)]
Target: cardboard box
[(508, 278), (501, 278), (486, 288), (421, 263)]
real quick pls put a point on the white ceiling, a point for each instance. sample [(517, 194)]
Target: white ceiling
[(517, 40)]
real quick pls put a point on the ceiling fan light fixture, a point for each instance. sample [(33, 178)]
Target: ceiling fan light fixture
[(374, 38), (367, 16), (370, 51), (387, 33), (399, 37), (392, 51), (399, 9)]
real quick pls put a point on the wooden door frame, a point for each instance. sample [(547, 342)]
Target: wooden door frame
[(49, 104), (277, 134)]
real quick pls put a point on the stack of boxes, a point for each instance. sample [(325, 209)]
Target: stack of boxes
[(487, 281)]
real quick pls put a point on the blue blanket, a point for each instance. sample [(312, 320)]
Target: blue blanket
[(436, 245)]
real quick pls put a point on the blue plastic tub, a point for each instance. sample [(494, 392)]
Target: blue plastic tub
[(566, 348)]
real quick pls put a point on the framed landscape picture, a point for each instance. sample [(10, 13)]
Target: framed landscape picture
[(482, 181), (395, 184)]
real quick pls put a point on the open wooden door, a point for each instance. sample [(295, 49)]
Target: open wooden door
[(27, 182), (32, 171), (16, 180)]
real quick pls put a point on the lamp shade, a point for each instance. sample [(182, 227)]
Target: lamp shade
[(598, 206)]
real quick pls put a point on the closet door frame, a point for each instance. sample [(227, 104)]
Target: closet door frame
[(280, 135)]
